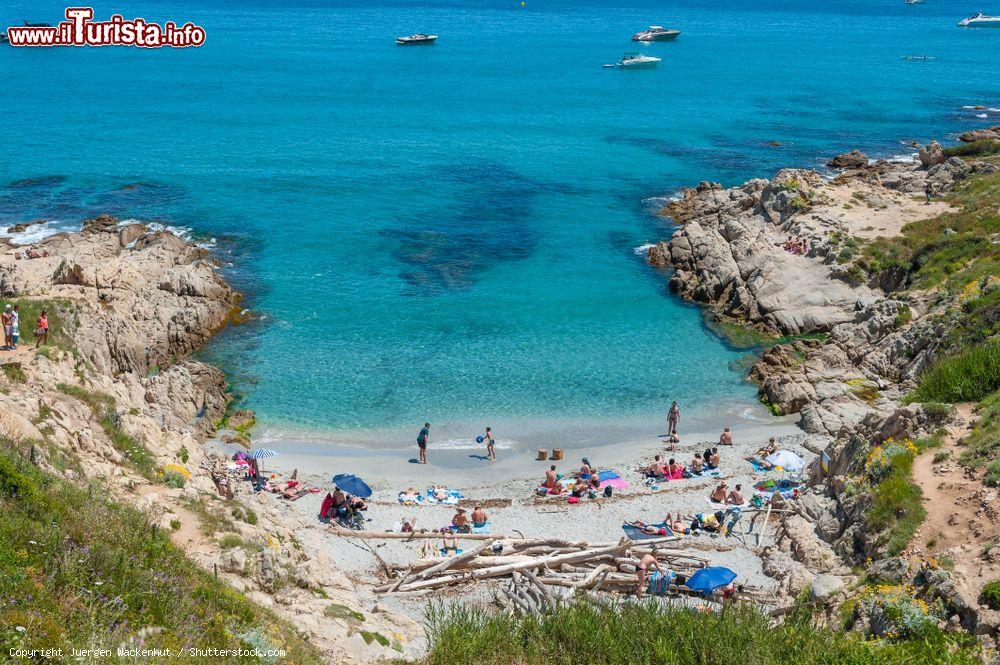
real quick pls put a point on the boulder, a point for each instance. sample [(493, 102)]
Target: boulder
[(825, 586), (234, 560), (988, 134), (894, 570), (931, 155), (854, 159)]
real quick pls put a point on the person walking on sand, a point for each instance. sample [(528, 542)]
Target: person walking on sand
[(422, 440), (673, 417), (928, 192), (42, 329), (488, 438)]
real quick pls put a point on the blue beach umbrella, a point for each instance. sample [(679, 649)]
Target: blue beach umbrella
[(710, 579), (352, 485), (262, 453)]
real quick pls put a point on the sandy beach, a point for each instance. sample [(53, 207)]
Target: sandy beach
[(506, 488)]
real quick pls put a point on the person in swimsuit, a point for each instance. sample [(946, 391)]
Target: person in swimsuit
[(735, 497), (461, 521), (726, 439), (8, 327), (696, 463), (673, 417), (655, 468), (479, 517), (720, 494), (648, 561), (488, 438), (551, 482), (422, 440), (707, 458), (42, 329)]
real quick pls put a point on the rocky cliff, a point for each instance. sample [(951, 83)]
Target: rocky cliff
[(117, 398)]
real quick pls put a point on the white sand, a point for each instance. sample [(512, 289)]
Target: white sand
[(514, 476)]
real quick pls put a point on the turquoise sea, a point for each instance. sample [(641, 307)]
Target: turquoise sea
[(449, 233)]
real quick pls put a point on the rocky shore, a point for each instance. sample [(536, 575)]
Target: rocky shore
[(127, 306), (842, 348)]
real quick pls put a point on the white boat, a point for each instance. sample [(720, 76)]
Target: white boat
[(914, 2), (656, 33), (980, 20), (416, 40), (636, 61)]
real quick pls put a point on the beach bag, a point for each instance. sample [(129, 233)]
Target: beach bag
[(607, 492)]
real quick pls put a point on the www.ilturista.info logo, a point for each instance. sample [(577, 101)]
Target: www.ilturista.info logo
[(79, 29)]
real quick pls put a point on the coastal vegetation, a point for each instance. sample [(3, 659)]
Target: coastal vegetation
[(79, 570), (652, 632)]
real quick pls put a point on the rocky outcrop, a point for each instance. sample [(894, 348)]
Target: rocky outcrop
[(989, 134), (854, 159), (119, 385), (931, 154)]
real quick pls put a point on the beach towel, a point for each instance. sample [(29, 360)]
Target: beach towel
[(708, 499), (482, 528), (635, 533), (452, 497), (758, 467), (612, 479)]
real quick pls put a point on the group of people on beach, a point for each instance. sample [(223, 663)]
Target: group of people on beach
[(424, 439), (12, 328)]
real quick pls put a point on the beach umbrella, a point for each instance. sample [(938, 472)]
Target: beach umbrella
[(710, 579), (786, 459), (262, 453), (352, 485)]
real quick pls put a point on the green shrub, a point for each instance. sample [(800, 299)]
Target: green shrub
[(77, 568), (903, 316), (969, 375), (990, 595), (14, 372), (629, 633), (338, 611), (896, 510), (974, 149), (173, 479), (992, 477), (175, 525)]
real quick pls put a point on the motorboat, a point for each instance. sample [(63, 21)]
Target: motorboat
[(416, 40), (656, 33), (914, 2), (980, 20), (636, 61)]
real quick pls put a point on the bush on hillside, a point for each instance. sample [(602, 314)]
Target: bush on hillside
[(967, 376)]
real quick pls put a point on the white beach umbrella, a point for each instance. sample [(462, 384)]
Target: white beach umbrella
[(786, 459)]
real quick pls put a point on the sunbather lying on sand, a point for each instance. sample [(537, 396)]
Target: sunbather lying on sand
[(679, 524), (648, 529), (439, 492)]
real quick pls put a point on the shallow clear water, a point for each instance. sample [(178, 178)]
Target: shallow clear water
[(447, 232)]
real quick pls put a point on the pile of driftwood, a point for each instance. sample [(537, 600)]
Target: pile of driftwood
[(542, 572)]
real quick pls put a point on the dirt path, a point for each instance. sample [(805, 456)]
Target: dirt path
[(961, 516)]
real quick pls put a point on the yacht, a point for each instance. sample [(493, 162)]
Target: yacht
[(414, 40), (980, 20), (656, 33), (636, 61)]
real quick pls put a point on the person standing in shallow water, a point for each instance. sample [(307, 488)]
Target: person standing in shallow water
[(673, 418), (488, 438), (422, 440)]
